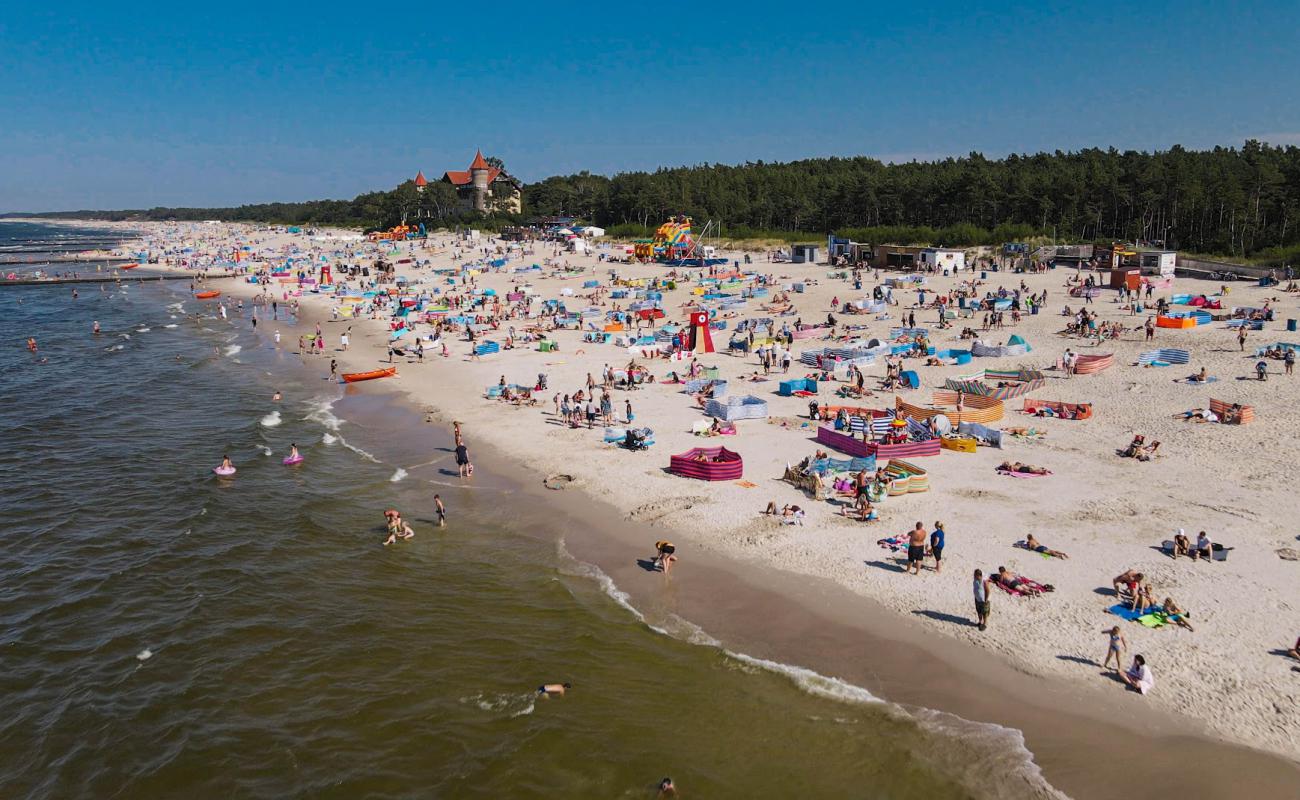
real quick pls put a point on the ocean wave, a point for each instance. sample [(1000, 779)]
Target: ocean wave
[(321, 410), (233, 350), (266, 451), (271, 420), (582, 569), (810, 682), (368, 456), (512, 705), (329, 438), (170, 326), (143, 330), (144, 655), (398, 475)]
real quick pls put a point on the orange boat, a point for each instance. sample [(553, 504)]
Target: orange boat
[(130, 266), (353, 377), (208, 295)]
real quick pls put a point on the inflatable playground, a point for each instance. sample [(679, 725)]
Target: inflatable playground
[(674, 244)]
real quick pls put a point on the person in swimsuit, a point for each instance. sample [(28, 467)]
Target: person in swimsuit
[(225, 463), (293, 452), (1117, 646), (441, 511), (462, 460), (1033, 544), (277, 397), (1129, 581), (554, 689), (665, 555), (666, 788), (915, 549), (1176, 614)]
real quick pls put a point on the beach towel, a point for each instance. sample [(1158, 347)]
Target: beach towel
[(894, 543), (1027, 587), (1122, 611), (1012, 474), (1194, 382)]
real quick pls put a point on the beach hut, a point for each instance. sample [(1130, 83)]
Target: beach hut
[(707, 464)]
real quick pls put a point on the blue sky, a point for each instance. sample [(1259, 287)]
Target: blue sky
[(123, 106)]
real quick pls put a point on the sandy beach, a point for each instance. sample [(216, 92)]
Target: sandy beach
[(1229, 677)]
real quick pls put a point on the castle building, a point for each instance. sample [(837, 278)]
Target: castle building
[(485, 188)]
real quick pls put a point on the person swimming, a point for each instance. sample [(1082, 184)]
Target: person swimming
[(553, 689), (277, 397), (293, 452)]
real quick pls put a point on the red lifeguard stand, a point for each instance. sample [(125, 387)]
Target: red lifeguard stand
[(701, 341)]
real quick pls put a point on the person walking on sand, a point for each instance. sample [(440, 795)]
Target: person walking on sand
[(915, 549), (1116, 649), (980, 586), (334, 369), (1241, 338), (628, 409)]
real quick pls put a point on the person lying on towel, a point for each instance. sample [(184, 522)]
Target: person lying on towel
[(1018, 584), (1033, 544), (1028, 469), (1198, 415)]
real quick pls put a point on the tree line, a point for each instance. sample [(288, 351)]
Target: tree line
[(1241, 202)]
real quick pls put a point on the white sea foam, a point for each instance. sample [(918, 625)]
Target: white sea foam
[(321, 410), (813, 683), (170, 326), (233, 350), (271, 420), (266, 451), (143, 330), (512, 705), (329, 438), (359, 451), (144, 655), (177, 307), (398, 475)]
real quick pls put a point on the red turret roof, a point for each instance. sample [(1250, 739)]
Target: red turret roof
[(420, 180), (479, 161)]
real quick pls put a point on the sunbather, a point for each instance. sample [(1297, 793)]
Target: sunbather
[(1198, 415), (1143, 599), (1018, 584), (1175, 614), (1028, 469), (1033, 544)]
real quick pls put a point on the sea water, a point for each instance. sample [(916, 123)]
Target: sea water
[(166, 632)]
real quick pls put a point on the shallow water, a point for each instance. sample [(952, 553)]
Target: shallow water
[(165, 631)]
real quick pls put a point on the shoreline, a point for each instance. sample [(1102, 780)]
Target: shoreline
[(846, 603)]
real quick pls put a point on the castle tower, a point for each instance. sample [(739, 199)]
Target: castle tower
[(478, 173), (420, 181)]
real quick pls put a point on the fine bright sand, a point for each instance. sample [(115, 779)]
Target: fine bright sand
[(1108, 513)]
